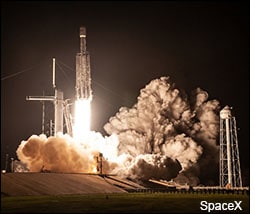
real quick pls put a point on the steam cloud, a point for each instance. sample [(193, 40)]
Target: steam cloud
[(165, 135)]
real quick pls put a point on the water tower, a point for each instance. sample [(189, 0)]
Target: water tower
[(230, 171)]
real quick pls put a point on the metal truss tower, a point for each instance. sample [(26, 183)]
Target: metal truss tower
[(230, 171), (57, 99)]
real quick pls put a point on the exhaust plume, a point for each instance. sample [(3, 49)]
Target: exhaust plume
[(164, 121), (165, 135)]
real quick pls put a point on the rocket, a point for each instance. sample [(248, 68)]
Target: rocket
[(83, 74)]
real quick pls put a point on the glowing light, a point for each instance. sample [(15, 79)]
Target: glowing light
[(82, 119)]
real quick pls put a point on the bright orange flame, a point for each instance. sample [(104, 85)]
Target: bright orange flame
[(82, 119)]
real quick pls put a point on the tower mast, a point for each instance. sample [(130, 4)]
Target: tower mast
[(57, 99)]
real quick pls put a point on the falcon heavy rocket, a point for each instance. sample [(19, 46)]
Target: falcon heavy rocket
[(83, 76)]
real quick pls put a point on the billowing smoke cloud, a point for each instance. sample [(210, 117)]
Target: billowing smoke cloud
[(164, 121), (63, 154), (164, 135), (58, 154)]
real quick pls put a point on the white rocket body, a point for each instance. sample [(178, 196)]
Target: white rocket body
[(83, 75)]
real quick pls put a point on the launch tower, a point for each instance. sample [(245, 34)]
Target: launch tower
[(57, 100), (83, 76), (83, 93), (230, 171)]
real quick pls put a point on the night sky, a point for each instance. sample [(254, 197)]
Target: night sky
[(198, 44)]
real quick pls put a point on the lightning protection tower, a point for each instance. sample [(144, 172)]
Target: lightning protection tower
[(230, 171)]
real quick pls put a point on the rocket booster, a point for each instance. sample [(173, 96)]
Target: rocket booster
[(83, 75)]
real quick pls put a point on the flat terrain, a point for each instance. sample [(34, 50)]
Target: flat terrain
[(119, 203), (92, 193)]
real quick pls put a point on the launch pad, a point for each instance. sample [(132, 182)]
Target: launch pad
[(24, 184), (81, 125)]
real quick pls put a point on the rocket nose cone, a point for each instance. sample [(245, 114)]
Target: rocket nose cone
[(82, 31)]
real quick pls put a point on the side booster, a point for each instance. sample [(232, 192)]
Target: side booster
[(83, 75)]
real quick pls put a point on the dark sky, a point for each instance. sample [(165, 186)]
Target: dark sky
[(202, 44)]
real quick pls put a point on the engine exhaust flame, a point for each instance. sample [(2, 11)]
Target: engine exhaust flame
[(82, 119)]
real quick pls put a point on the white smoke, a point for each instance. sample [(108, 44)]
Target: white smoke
[(63, 154), (58, 154), (163, 136), (165, 122)]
